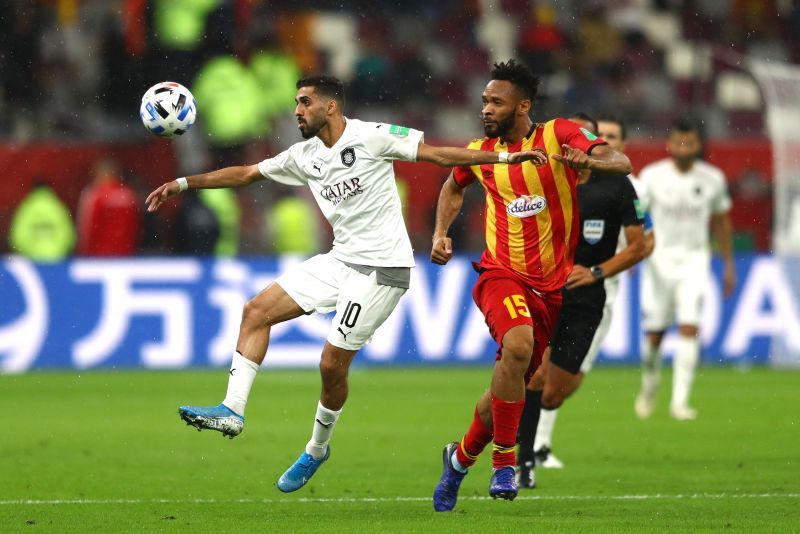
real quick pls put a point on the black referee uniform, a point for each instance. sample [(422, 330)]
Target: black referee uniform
[(606, 203)]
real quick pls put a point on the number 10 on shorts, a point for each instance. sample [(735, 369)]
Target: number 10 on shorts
[(350, 315), (516, 306)]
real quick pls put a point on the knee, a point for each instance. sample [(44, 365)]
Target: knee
[(252, 313), (686, 330), (332, 369), (552, 399), (256, 314), (655, 338), (518, 347)]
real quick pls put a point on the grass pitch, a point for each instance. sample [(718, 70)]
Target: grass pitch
[(106, 451)]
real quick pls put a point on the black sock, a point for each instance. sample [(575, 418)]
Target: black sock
[(528, 422)]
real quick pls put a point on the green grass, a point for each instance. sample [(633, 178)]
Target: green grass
[(105, 451)]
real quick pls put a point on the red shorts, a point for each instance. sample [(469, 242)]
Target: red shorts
[(507, 302)]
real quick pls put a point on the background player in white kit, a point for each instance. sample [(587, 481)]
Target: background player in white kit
[(347, 164), (612, 130), (685, 195)]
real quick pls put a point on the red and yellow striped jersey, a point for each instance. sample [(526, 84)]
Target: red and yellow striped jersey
[(531, 212)]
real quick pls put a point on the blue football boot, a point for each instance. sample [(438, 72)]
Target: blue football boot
[(503, 484), (301, 471), (219, 418), (446, 492)]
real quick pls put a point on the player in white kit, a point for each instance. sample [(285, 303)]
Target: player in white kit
[(612, 130), (685, 196), (347, 164)]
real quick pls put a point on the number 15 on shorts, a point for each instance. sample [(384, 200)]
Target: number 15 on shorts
[(516, 306)]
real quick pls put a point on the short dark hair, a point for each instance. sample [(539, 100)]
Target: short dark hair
[(687, 125), (616, 120), (519, 75), (327, 86), (585, 117)]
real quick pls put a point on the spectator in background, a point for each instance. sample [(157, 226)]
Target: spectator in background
[(22, 23), (109, 218), (600, 42), (224, 204), (197, 230), (753, 21), (240, 95), (229, 96), (292, 226), (276, 73), (179, 27), (41, 228), (541, 46)]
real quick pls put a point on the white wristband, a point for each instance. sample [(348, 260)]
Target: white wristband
[(502, 157), (182, 183)]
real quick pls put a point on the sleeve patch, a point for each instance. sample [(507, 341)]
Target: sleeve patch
[(589, 135), (638, 207), (399, 131)]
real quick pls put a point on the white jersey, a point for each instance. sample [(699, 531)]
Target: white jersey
[(641, 194), (681, 206), (353, 182)]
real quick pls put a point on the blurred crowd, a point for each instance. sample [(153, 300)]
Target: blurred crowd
[(110, 220), (76, 69)]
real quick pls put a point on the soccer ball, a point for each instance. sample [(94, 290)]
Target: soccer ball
[(168, 109)]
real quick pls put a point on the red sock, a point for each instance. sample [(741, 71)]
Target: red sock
[(505, 417), (473, 442)]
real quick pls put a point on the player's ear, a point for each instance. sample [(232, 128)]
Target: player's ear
[(524, 107), (332, 106)]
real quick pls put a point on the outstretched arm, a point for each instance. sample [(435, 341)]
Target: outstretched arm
[(448, 156), (603, 158), (227, 177), (451, 198)]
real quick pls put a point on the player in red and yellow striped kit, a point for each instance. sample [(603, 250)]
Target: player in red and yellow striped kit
[(531, 232)]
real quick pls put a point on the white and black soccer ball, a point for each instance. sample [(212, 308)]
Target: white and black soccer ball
[(168, 109)]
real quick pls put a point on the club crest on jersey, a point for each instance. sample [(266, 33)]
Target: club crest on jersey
[(526, 206), (593, 230), (348, 156)]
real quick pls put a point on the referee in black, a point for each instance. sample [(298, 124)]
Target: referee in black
[(607, 203)]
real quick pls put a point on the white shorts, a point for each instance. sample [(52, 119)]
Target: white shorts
[(322, 284), (612, 288), (672, 297)]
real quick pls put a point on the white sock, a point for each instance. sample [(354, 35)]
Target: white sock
[(544, 431), (457, 466), (242, 374), (651, 367), (324, 422), (684, 363)]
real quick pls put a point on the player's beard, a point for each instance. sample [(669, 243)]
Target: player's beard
[(499, 128), (311, 129)]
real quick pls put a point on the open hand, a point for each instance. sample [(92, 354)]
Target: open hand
[(164, 191), (536, 156), (580, 276), (442, 250), (573, 157)]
